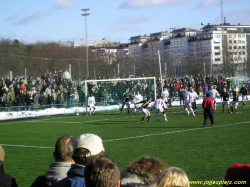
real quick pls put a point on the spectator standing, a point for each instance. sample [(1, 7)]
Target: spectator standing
[(66, 75), (171, 177), (141, 171), (85, 148), (102, 172), (200, 91), (238, 173), (63, 160), (5, 179)]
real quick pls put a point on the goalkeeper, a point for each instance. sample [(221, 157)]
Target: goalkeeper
[(126, 98), (91, 104)]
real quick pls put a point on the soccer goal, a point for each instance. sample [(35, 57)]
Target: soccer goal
[(108, 92)]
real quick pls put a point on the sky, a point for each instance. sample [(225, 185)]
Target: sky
[(33, 21)]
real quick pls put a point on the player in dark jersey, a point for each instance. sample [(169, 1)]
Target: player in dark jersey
[(126, 98), (144, 109), (182, 90), (235, 101), (244, 92), (225, 99)]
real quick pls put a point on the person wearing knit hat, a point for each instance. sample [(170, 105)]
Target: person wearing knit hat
[(85, 148), (237, 175), (5, 179)]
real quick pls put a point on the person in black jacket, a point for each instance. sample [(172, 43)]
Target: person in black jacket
[(225, 97), (5, 179), (182, 90), (126, 98), (244, 92)]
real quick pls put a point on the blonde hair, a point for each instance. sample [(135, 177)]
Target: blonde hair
[(171, 177)]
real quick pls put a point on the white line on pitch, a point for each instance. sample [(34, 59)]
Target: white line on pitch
[(133, 137)]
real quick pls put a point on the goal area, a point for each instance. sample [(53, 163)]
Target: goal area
[(108, 92)]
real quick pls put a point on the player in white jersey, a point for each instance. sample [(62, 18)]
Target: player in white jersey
[(137, 98), (164, 96), (188, 102), (91, 104), (214, 93), (159, 106), (193, 99)]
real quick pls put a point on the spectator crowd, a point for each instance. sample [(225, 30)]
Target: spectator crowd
[(82, 162), (57, 89)]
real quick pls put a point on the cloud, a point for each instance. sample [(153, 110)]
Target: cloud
[(39, 14), (209, 3), (64, 4), (9, 35), (128, 24), (149, 3), (34, 39)]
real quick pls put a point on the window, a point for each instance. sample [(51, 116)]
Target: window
[(243, 47), (230, 41), (235, 47), (217, 53), (239, 47), (217, 59), (239, 41), (235, 41), (243, 35), (239, 35), (235, 36), (230, 47), (216, 47), (244, 53), (230, 36)]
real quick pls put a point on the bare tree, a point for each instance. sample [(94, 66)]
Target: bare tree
[(233, 56), (195, 59)]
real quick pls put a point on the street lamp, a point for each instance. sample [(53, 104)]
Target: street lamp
[(86, 36), (173, 28)]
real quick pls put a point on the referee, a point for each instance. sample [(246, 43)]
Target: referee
[(208, 107)]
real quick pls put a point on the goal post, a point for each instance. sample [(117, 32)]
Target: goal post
[(108, 92)]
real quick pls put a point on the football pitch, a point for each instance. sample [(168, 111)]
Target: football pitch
[(205, 154)]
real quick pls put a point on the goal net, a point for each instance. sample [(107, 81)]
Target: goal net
[(108, 92)]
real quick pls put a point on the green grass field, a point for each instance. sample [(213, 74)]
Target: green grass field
[(205, 154)]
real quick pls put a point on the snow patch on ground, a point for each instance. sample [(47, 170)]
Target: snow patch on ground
[(4, 116)]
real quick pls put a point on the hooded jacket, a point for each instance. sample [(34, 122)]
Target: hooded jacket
[(75, 177)]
